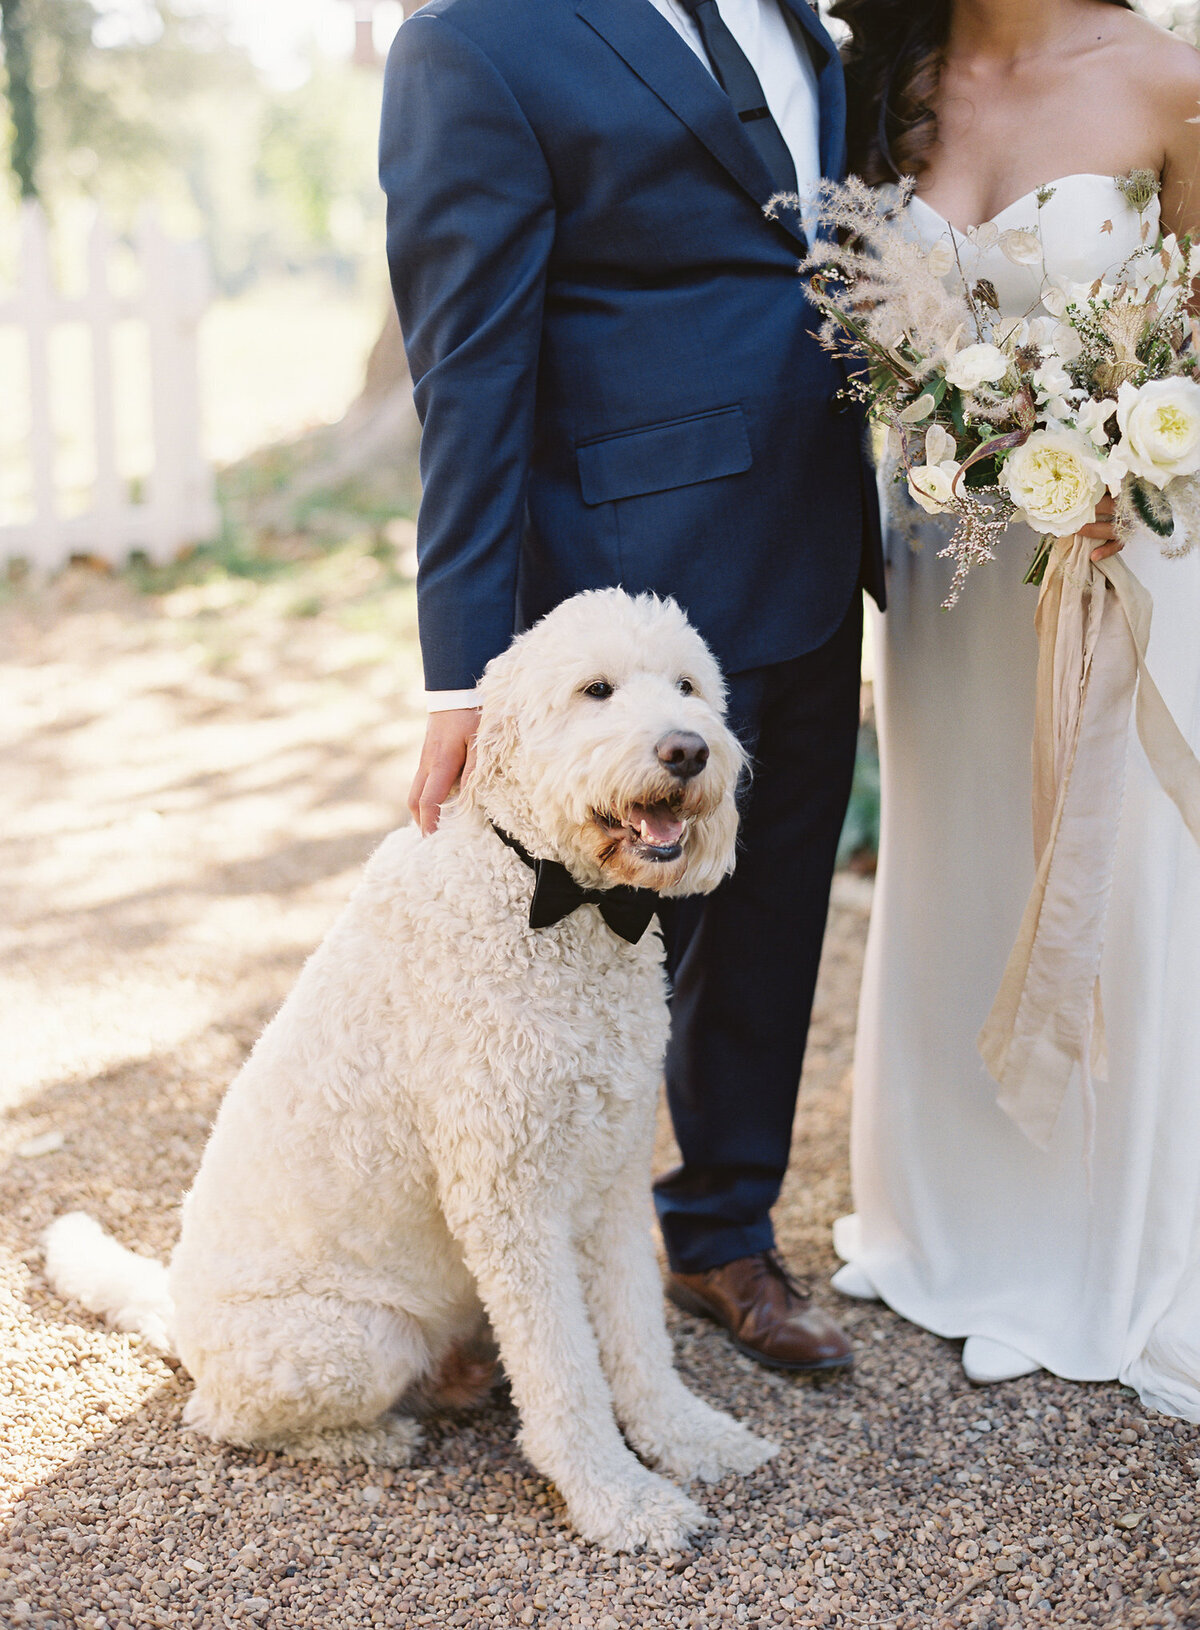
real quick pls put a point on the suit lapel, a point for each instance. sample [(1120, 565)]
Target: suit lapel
[(664, 62)]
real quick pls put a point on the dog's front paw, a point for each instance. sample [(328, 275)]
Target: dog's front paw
[(644, 1510), (708, 1447)]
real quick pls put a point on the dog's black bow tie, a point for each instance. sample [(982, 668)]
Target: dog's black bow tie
[(556, 895)]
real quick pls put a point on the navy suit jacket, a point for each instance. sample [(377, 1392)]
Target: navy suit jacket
[(613, 357)]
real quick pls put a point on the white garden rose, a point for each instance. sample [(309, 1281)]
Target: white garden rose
[(1160, 428), (1055, 481), (976, 365)]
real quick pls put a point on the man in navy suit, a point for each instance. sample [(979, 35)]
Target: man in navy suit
[(618, 381)]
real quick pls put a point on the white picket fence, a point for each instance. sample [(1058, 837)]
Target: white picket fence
[(175, 505)]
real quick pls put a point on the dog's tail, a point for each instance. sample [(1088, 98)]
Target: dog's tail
[(84, 1264)]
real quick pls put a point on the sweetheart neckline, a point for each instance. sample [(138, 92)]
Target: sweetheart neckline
[(1060, 181)]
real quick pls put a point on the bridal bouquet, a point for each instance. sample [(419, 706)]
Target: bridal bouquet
[(1034, 418), (1094, 390)]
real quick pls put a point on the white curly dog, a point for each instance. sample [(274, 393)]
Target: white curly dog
[(454, 1110)]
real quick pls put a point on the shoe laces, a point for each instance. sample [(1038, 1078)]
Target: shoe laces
[(778, 1269)]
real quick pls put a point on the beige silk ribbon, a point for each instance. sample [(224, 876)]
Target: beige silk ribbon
[(1093, 627)]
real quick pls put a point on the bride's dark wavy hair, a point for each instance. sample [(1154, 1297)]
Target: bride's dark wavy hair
[(893, 62)]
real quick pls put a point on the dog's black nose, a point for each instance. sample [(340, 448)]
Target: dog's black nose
[(683, 752)]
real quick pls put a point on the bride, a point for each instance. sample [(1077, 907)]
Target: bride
[(1083, 1259)]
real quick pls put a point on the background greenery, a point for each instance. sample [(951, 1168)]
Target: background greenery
[(152, 100), (125, 103)]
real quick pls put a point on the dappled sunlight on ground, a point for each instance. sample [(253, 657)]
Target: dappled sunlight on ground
[(192, 782), (185, 795)]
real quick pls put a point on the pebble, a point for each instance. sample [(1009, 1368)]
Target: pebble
[(45, 1144), (898, 1489)]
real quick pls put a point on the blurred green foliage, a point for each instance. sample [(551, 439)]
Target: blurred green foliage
[(859, 843), (167, 109), (330, 524), (15, 36)]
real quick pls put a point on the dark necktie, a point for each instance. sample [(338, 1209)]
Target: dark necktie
[(556, 895), (738, 79)]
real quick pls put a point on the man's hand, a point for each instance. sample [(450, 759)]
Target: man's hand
[(1102, 528), (447, 754)]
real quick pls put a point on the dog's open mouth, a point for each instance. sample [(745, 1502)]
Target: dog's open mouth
[(653, 831)]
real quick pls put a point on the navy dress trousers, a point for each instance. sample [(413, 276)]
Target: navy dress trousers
[(618, 379)]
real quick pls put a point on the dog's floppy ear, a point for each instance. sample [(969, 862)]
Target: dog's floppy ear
[(499, 731), (495, 746)]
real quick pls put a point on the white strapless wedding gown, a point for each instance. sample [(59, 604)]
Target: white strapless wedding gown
[(962, 1225)]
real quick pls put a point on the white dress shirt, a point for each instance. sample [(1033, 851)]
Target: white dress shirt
[(777, 50)]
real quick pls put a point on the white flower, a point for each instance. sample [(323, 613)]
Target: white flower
[(1113, 467), (940, 258), (1067, 342), (1172, 255), (1014, 336), (975, 365), (1022, 247), (1041, 332), (932, 486), (1054, 388), (1055, 481), (1160, 428), (939, 446), (1060, 292), (1051, 380), (1145, 275), (1092, 417)]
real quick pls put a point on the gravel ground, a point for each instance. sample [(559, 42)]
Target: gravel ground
[(196, 780)]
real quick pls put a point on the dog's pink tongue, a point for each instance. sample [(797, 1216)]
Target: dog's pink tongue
[(656, 824)]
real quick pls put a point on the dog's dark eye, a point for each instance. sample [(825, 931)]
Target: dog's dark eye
[(600, 689), (686, 686)]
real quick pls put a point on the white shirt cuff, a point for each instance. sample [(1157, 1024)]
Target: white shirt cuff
[(441, 701)]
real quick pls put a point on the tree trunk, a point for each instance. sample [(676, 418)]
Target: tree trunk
[(387, 366), (16, 27), (366, 462)]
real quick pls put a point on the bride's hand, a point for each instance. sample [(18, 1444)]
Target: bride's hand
[(1103, 529)]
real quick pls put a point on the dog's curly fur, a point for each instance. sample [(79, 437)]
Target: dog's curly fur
[(451, 1115)]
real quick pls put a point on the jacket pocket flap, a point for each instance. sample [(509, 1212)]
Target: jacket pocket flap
[(677, 453)]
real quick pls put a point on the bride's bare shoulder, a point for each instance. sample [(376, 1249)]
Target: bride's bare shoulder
[(1153, 56), (1158, 71)]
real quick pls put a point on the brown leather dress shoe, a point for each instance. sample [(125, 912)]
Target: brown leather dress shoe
[(769, 1314)]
